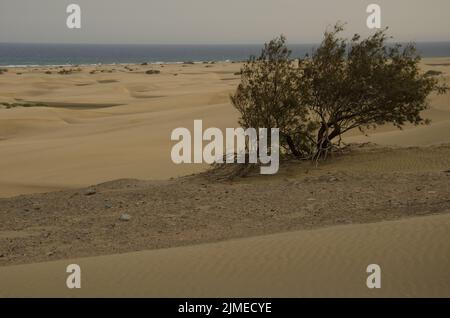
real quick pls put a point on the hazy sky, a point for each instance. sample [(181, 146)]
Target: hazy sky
[(214, 21)]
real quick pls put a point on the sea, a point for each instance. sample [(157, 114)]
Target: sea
[(27, 54)]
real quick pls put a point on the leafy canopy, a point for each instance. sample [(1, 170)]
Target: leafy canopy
[(344, 85)]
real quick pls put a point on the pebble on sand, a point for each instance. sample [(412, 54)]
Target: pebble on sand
[(125, 217)]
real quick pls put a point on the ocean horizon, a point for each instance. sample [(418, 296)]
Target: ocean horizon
[(33, 54)]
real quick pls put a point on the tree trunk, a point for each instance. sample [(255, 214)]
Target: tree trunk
[(323, 141), (292, 147)]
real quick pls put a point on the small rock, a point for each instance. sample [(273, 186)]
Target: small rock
[(90, 192), (125, 217), (311, 199), (50, 253)]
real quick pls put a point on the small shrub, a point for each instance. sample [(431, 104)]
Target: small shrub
[(66, 72), (12, 105), (433, 73)]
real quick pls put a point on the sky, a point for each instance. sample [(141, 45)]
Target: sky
[(216, 21)]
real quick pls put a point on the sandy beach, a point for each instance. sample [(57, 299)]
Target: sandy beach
[(94, 144)]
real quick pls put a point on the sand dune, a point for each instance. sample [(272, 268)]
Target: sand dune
[(434, 134), (77, 140), (105, 123), (364, 184), (329, 262)]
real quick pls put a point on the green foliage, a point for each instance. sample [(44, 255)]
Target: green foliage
[(269, 97), (433, 73), (27, 104), (363, 84), (344, 85), (151, 72)]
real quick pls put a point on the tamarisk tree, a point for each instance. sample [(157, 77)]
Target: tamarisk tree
[(363, 83), (344, 85), (269, 97)]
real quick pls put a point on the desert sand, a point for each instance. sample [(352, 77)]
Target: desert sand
[(303, 232), (328, 262), (365, 184), (79, 141)]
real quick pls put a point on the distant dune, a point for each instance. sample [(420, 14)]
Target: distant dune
[(76, 140)]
